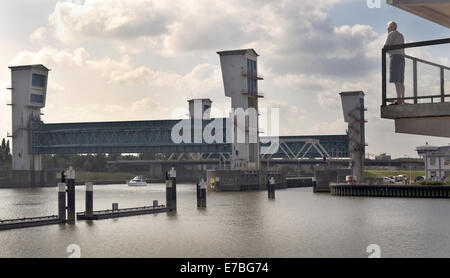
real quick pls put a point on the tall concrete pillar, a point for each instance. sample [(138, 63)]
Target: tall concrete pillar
[(240, 79), (353, 108), (29, 90), (70, 181)]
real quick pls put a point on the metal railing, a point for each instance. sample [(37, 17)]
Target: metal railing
[(248, 75), (415, 60), (254, 93)]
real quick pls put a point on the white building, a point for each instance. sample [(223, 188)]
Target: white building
[(437, 161), (383, 156)]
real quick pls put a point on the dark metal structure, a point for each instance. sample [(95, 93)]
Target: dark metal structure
[(155, 137)]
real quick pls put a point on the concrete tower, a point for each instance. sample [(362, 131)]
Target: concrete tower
[(200, 108), (29, 90), (353, 108), (240, 80)]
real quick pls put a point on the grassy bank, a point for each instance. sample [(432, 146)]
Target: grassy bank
[(387, 173)]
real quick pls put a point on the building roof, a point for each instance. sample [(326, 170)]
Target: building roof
[(202, 99), (352, 93), (437, 11), (25, 67), (237, 52), (433, 150), (427, 148)]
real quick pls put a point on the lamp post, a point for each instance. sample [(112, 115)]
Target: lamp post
[(410, 172)]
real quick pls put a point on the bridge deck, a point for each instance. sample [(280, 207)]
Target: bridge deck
[(156, 137)]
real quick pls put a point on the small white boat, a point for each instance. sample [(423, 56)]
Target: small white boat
[(137, 181)]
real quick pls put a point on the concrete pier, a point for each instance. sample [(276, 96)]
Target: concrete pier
[(70, 200), (201, 194), (293, 182), (9, 224), (62, 202), (89, 203), (116, 213), (171, 190), (271, 188), (324, 177), (243, 179), (406, 191)]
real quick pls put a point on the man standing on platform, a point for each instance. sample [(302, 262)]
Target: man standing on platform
[(397, 63)]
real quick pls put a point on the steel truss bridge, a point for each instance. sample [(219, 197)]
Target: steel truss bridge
[(155, 137)]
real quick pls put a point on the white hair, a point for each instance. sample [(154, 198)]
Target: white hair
[(392, 24)]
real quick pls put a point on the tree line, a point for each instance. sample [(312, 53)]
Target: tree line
[(87, 162), (93, 162), (5, 155)]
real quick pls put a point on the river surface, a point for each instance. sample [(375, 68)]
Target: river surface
[(297, 223)]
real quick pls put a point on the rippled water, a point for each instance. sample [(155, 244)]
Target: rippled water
[(297, 223)]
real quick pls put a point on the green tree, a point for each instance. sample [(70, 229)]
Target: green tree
[(114, 156), (99, 162), (3, 150), (77, 161), (87, 166), (8, 151)]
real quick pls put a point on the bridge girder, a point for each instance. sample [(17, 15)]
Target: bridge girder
[(155, 137)]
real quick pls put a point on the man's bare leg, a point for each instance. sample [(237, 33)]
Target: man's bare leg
[(400, 87)]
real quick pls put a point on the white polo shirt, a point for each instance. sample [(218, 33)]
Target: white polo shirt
[(394, 38)]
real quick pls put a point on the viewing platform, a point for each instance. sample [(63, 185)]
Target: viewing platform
[(423, 113)]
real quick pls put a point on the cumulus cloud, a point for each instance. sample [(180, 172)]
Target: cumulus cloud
[(110, 19), (176, 28), (310, 41), (39, 34), (51, 56), (200, 81), (338, 126)]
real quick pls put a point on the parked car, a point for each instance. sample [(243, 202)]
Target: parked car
[(419, 178), (401, 177), (388, 180)]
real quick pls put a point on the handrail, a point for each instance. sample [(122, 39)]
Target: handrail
[(426, 62), (417, 44), (386, 48)]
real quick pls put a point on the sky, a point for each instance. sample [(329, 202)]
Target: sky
[(118, 60)]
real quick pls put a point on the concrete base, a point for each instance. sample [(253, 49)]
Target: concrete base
[(243, 180), (419, 110), (29, 179), (431, 119), (326, 176), (432, 126)]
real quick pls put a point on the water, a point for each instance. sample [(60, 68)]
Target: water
[(297, 223)]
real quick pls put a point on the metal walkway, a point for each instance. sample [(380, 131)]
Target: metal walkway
[(155, 137)]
